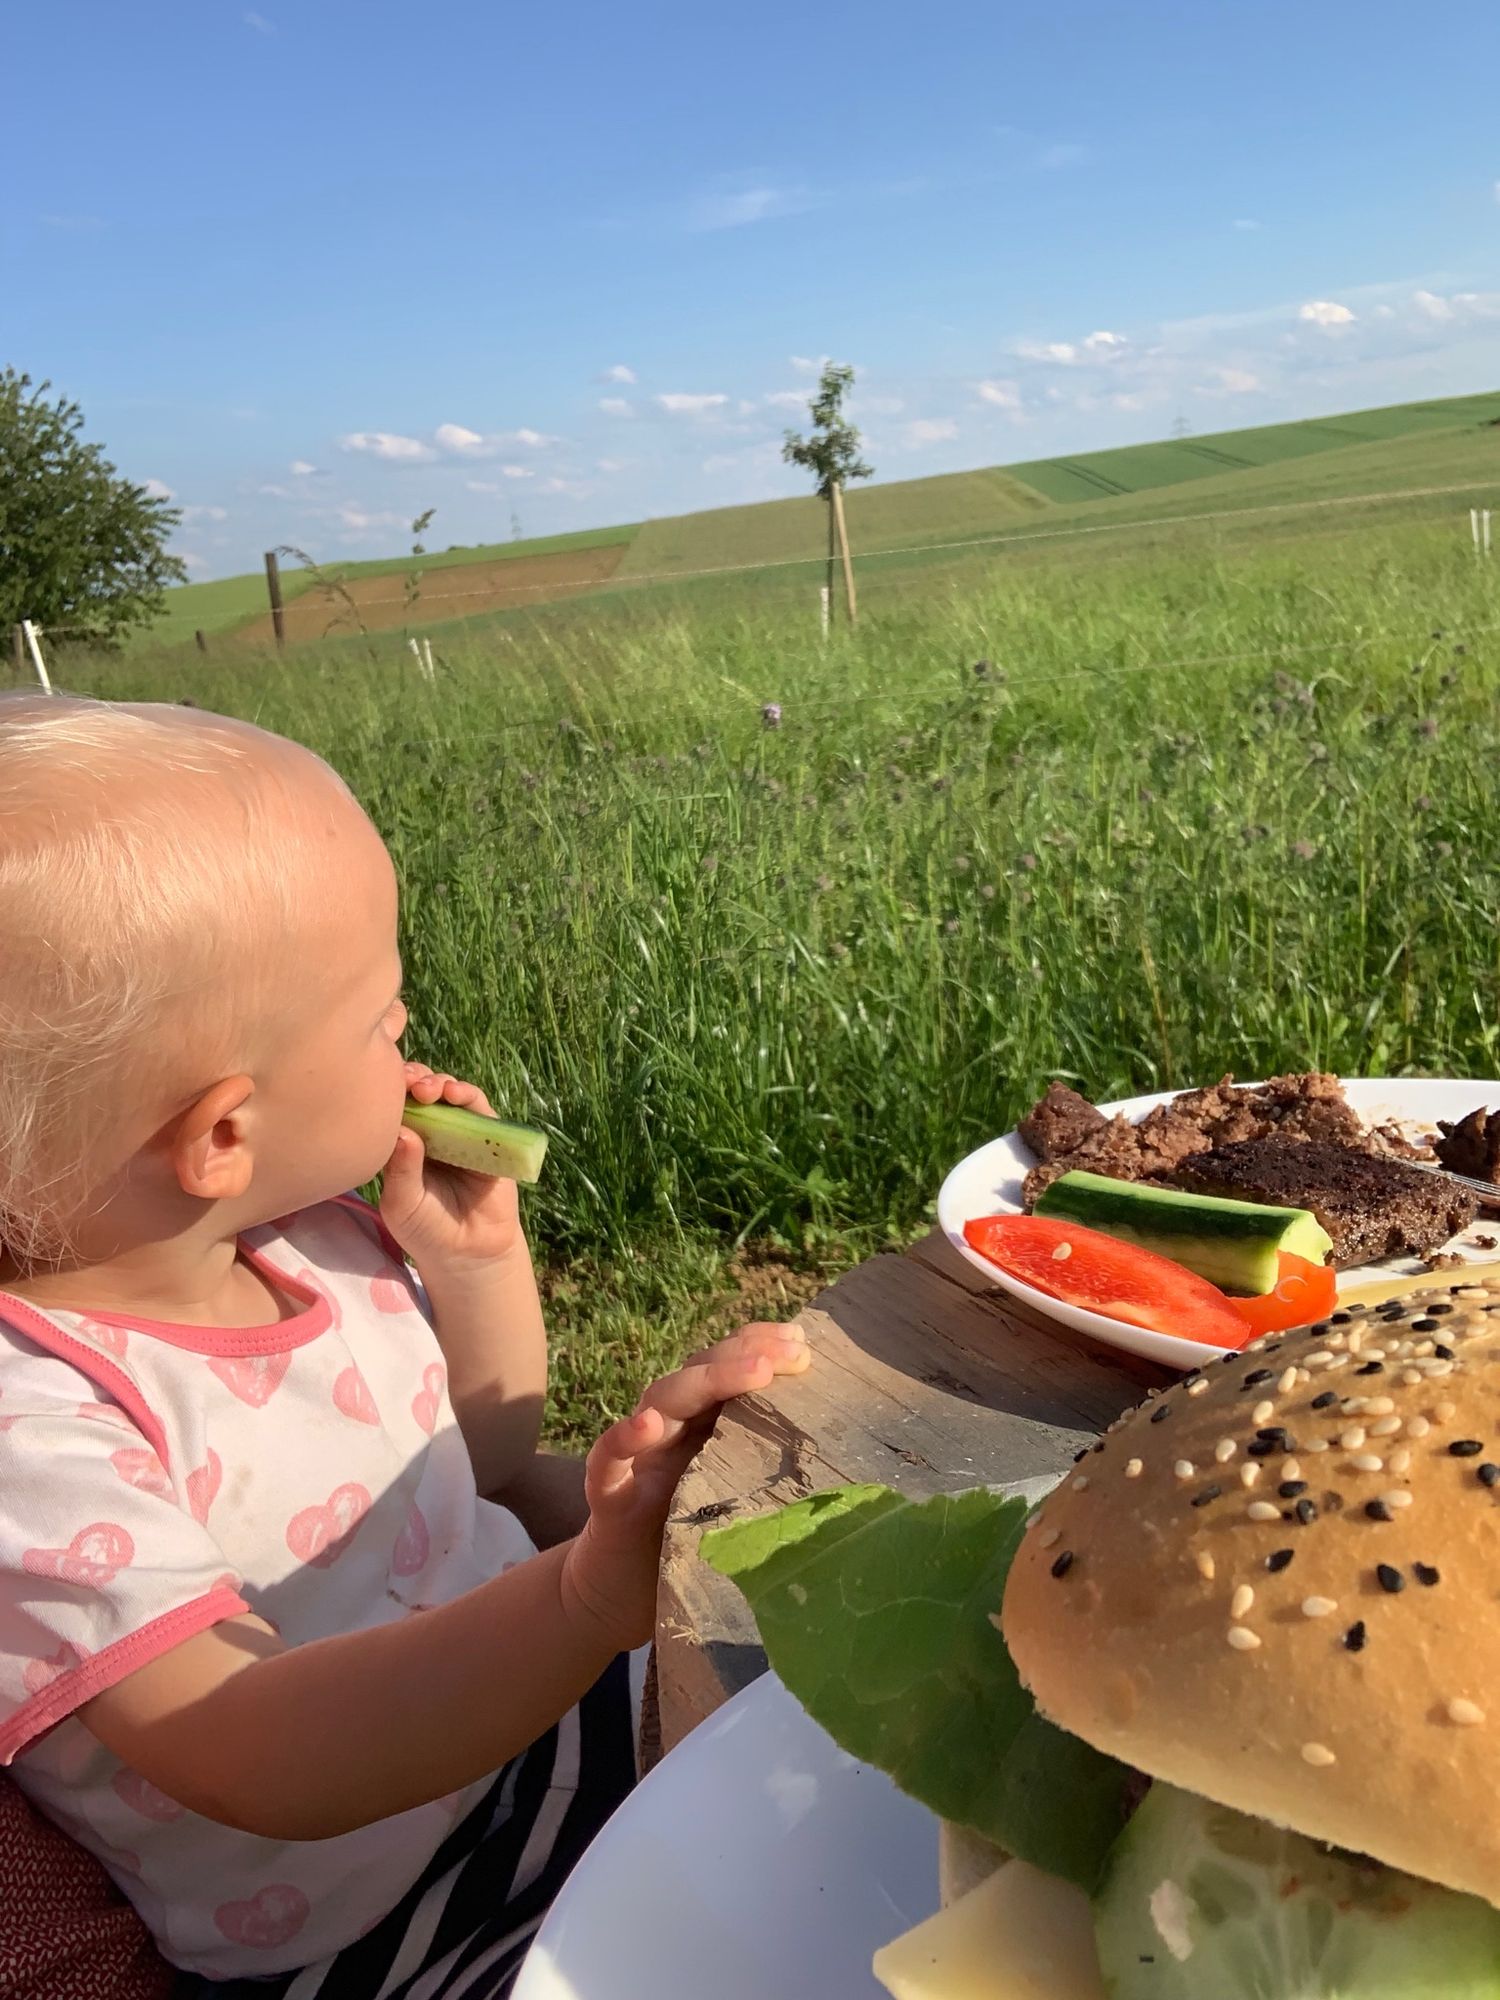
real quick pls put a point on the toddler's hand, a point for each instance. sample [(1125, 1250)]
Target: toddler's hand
[(442, 1216), (634, 1469)]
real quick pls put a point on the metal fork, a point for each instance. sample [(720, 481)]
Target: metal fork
[(1487, 1191)]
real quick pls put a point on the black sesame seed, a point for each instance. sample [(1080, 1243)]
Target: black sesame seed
[(1339, 1319), (1390, 1579), (1210, 1492), (1445, 1307), (1080, 1454), (1371, 1368), (1489, 1474), (1063, 1564), (1290, 1488), (1278, 1559), (1193, 1375), (1161, 1410), (1354, 1638), (1322, 1326), (1426, 1574), (1424, 1325), (1443, 1353), (1275, 1432), (1465, 1448), (1263, 1447), (1333, 1501), (1097, 1447), (1324, 1401), (1256, 1377), (1376, 1510), (1306, 1512)]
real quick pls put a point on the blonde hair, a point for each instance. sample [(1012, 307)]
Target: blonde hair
[(152, 867)]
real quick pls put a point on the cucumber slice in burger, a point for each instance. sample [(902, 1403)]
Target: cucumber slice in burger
[(458, 1138), (1201, 1903)]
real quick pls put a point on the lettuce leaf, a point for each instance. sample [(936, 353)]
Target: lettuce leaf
[(876, 1613)]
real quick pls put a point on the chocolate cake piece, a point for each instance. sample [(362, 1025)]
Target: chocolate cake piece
[(1472, 1146), (1373, 1207), (1060, 1122)]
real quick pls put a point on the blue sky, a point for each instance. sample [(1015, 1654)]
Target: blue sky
[(317, 265)]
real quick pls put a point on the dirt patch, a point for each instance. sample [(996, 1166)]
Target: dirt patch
[(466, 590), (765, 1283)]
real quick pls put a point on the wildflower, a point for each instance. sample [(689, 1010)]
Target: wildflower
[(950, 925), (941, 784), (961, 864), (1318, 752), (1442, 848), (823, 884), (1146, 796), (710, 864), (1428, 727), (838, 949), (1423, 804), (440, 889), (770, 715), (1028, 862), (982, 670), (987, 891), (1304, 850)]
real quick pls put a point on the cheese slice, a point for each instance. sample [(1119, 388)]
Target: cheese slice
[(1021, 1935)]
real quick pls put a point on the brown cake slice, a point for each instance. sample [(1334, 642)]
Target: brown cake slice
[(1372, 1207)]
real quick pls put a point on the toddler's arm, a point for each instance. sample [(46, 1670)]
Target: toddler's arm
[(306, 1742)]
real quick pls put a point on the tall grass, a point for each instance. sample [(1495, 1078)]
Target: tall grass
[(769, 980)]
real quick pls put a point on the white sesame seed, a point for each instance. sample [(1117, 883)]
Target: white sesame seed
[(1262, 1413), (1302, 1376), (1352, 1405), (1339, 1361), (1200, 1387), (1400, 1498), (1318, 1607), (1225, 1450), (1337, 1338), (1287, 1381), (1290, 1469), (1423, 1346), (1205, 1564), (1262, 1510), (1356, 1339), (1417, 1427), (1352, 1439), (1400, 1460), (1062, 1253), (1047, 1537), (1241, 1602), (1444, 1413), (1242, 1638), (1319, 1358), (1385, 1427), (1379, 1406), (1133, 1468), (1316, 1444), (1464, 1713), (1374, 1354), (1183, 1468), (1081, 1484), (1411, 1377), (1318, 1753), (1434, 1369), (1249, 1473), (1366, 1461)]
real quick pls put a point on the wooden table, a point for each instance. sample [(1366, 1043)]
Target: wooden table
[(923, 1378)]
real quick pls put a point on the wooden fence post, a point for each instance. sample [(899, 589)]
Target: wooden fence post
[(273, 585), (838, 515), (202, 639)]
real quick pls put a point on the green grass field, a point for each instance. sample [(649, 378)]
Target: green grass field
[(1217, 805)]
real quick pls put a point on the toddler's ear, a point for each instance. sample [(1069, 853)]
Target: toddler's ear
[(210, 1150)]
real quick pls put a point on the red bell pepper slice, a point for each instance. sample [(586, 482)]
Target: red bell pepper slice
[(1085, 1268), (1303, 1293)]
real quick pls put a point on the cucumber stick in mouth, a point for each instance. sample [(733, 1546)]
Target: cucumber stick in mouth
[(467, 1139), (1234, 1244)]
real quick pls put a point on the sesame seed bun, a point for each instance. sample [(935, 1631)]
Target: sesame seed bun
[(1316, 1648)]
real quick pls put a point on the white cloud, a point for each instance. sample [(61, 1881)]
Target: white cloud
[(619, 373), (362, 521), (1062, 352), (1326, 313), (609, 465), (190, 561), (533, 440), (1235, 382), (387, 445), (1104, 343), (680, 405), (616, 406), (259, 22), (273, 492), (575, 489), (931, 430), (1247, 222), (878, 406), (205, 514), (456, 437), (1131, 399), (805, 365), (1431, 306), (787, 399), (758, 204), (1000, 395), (302, 468), (157, 489)]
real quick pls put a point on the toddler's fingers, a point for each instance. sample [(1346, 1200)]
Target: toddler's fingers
[(760, 1336), (692, 1392), (608, 1466), (401, 1183), (469, 1095)]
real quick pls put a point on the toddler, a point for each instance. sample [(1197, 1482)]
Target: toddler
[(328, 1716)]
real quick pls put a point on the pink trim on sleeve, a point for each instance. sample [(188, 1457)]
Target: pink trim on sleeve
[(98, 1368), (71, 1690)]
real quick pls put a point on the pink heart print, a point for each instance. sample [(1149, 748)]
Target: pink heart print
[(142, 1796), (203, 1484), (111, 1338), (388, 1294), (320, 1535), (39, 1674), (351, 1396), (254, 1378), (413, 1544), (106, 1413), (273, 1916), (425, 1404), (93, 1558), (141, 1468)]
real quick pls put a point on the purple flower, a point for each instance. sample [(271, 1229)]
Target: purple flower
[(770, 715)]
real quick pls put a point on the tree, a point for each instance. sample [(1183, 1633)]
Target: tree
[(80, 546), (831, 454)]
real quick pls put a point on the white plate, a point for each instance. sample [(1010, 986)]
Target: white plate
[(756, 1862), (989, 1182)]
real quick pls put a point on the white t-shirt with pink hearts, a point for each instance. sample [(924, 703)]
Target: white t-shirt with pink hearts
[(155, 1479)]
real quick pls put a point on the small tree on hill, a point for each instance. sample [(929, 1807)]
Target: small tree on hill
[(80, 546), (831, 454)]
